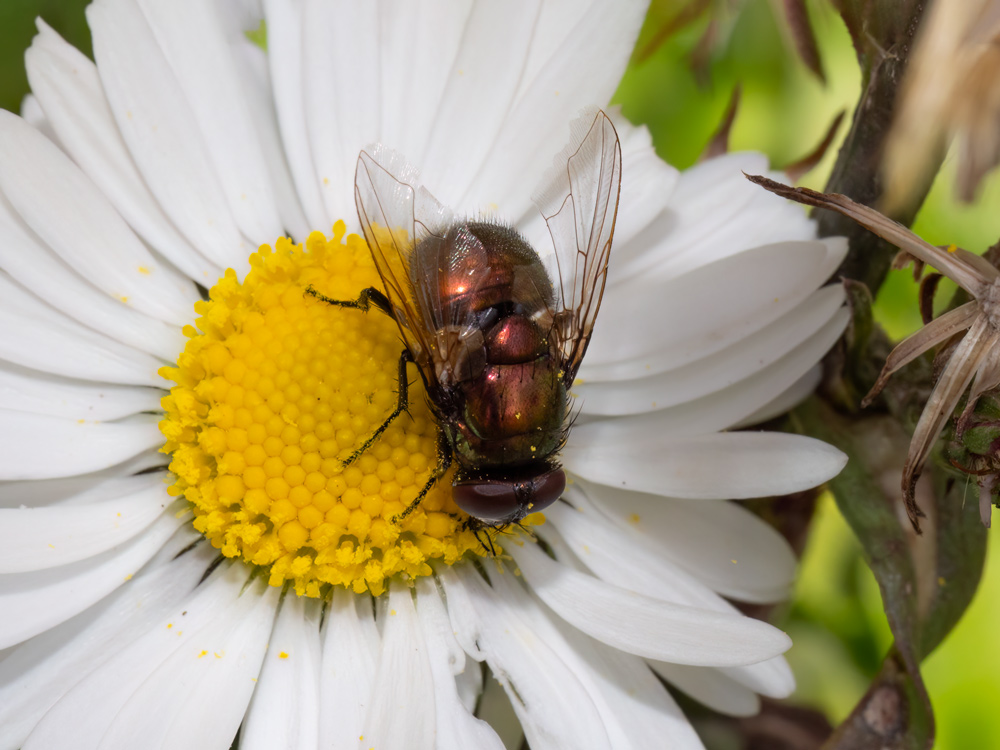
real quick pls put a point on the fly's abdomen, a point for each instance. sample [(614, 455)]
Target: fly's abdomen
[(514, 410)]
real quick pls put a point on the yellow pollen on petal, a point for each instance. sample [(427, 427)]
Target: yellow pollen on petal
[(274, 391)]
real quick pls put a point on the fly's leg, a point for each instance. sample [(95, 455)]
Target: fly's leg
[(367, 298), (373, 297), (402, 403), (443, 464), (478, 529)]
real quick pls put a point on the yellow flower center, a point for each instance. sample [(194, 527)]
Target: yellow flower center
[(275, 389)]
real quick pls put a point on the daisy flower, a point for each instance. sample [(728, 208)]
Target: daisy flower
[(184, 556)]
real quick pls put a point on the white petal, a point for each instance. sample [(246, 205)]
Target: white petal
[(480, 90), (722, 544), (642, 625), (334, 78), (194, 43), (60, 204), (41, 393), (244, 14), (554, 708), (186, 682), (735, 221), (800, 390), (39, 538), (420, 43), (711, 688), (731, 405), (713, 213), (647, 182), (67, 83), (284, 44), (641, 706), (34, 602), (284, 711), (772, 678), (38, 493), (673, 321), (577, 56), (350, 653), (709, 184), (41, 338), (628, 452), (462, 614), (457, 728), (633, 705), (32, 113), (724, 368), (160, 130), (402, 711), (37, 673), (34, 446), (37, 268), (622, 557), (252, 67)]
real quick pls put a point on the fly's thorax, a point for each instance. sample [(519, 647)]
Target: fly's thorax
[(475, 267)]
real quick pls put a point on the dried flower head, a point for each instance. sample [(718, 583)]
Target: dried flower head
[(952, 90), (975, 359)]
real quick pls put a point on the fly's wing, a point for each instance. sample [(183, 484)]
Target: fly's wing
[(579, 203), (395, 217)]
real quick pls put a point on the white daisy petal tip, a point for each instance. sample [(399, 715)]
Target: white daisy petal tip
[(631, 453), (644, 626)]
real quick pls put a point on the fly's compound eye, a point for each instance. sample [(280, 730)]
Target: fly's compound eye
[(509, 500)]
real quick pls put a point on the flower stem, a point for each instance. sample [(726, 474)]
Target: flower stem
[(882, 32)]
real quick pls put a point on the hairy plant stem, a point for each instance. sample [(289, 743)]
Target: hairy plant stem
[(883, 33)]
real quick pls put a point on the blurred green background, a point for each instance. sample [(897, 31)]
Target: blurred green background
[(836, 618)]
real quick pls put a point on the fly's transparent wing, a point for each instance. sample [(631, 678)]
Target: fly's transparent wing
[(395, 216), (579, 203)]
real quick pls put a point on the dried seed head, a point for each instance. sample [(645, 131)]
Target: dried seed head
[(975, 358), (951, 90)]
